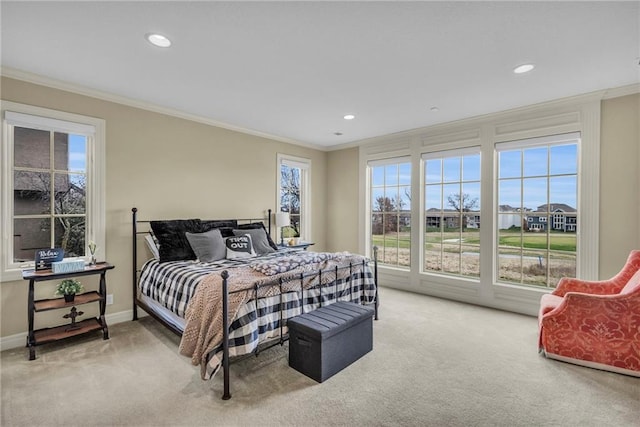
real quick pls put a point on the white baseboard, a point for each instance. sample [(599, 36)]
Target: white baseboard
[(20, 340)]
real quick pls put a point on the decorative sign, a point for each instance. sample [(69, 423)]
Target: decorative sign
[(44, 257)]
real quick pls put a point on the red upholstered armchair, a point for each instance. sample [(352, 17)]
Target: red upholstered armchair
[(595, 323)]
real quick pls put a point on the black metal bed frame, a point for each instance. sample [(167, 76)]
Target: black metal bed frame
[(225, 295)]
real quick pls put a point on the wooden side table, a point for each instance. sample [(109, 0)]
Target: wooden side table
[(47, 335)]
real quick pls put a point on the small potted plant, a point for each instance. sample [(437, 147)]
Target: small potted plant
[(69, 288)]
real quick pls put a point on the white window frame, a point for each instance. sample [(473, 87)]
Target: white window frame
[(304, 165), (383, 162), (542, 223), (443, 154), (15, 114), (576, 114)]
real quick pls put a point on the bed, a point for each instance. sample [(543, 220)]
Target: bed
[(233, 302)]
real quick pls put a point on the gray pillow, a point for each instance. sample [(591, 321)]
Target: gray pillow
[(258, 238), (208, 246)]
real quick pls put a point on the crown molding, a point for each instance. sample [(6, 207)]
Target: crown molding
[(130, 102), (622, 91)]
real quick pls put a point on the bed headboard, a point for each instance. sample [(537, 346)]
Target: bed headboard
[(142, 227)]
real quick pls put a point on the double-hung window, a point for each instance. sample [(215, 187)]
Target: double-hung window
[(537, 209), (52, 184), (390, 210), (452, 212), (294, 193)]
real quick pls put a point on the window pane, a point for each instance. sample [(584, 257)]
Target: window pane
[(471, 196), (452, 197), (510, 197), (32, 193), (404, 171), (69, 235), (535, 161), (564, 190), (404, 198), (391, 175), (451, 169), (70, 152), (433, 171), (377, 176), (564, 159), (471, 168), (30, 234), (31, 148), (377, 199), (535, 193), (70, 194), (433, 197), (510, 164)]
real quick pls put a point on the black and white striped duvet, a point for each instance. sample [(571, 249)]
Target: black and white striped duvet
[(172, 284)]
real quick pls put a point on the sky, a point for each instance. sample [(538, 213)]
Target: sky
[(527, 178)]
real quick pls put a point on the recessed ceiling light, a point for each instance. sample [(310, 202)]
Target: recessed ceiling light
[(349, 117), (337, 133), (524, 68), (158, 40), (434, 109)]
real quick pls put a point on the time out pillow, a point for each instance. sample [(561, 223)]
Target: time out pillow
[(258, 240), (239, 247)]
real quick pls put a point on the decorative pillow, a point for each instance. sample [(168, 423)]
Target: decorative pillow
[(174, 245), (258, 225), (258, 240), (152, 244), (239, 247), (218, 223), (208, 246)]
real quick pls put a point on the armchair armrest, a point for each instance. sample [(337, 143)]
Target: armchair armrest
[(601, 287)]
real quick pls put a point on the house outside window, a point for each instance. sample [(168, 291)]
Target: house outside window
[(452, 212), (52, 184), (390, 211), (538, 180), (294, 196)]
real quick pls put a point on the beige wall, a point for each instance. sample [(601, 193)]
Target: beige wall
[(342, 200), (168, 168), (619, 182)]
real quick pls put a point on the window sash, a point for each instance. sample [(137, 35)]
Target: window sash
[(21, 115)]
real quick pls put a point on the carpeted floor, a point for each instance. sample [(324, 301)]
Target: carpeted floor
[(434, 363)]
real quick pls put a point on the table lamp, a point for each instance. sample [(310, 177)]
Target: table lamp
[(282, 220)]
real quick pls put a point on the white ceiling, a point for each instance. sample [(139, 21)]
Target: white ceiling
[(292, 70)]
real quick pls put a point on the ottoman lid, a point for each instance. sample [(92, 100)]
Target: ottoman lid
[(327, 321)]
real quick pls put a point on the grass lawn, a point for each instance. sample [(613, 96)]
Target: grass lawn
[(559, 241)]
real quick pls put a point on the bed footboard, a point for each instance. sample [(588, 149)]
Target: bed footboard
[(225, 307)]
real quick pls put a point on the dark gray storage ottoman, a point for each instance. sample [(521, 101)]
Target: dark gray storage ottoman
[(327, 340)]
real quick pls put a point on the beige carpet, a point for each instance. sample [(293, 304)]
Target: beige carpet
[(434, 363)]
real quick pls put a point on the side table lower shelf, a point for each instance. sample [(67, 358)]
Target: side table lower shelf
[(47, 335)]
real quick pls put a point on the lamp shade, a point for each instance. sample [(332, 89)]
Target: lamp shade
[(282, 219)]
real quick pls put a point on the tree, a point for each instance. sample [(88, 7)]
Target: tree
[(388, 219), (290, 196), (33, 192), (462, 202)]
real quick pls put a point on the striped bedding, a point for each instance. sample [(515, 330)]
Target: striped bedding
[(173, 284)]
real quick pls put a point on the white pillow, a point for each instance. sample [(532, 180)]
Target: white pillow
[(153, 247), (239, 247)]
